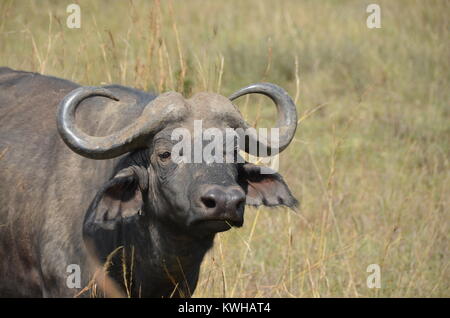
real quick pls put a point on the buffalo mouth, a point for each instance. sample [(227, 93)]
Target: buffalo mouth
[(217, 224)]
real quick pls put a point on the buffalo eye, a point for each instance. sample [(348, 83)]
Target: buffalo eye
[(164, 155)]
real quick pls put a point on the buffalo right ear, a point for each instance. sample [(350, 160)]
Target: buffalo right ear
[(267, 189), (119, 200)]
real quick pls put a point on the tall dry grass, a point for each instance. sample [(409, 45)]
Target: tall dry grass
[(370, 161)]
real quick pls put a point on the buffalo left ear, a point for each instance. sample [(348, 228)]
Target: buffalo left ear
[(267, 189)]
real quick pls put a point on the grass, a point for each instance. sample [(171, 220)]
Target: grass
[(370, 161)]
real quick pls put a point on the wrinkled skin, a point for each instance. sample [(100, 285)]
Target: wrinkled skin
[(155, 216)]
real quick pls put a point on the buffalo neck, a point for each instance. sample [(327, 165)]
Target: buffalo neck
[(174, 256)]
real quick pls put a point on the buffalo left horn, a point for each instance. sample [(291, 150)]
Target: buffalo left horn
[(287, 118)]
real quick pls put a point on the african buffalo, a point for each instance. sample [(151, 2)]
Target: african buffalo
[(86, 178)]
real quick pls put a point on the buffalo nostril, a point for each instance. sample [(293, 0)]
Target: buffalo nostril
[(209, 202), (240, 204), (235, 200)]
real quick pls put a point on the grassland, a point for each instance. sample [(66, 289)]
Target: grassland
[(370, 161)]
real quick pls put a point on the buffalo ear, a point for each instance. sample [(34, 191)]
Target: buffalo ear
[(267, 188), (118, 201)]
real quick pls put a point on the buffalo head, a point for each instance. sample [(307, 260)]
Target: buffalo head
[(199, 198)]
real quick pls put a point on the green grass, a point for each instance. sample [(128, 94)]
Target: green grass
[(370, 161)]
